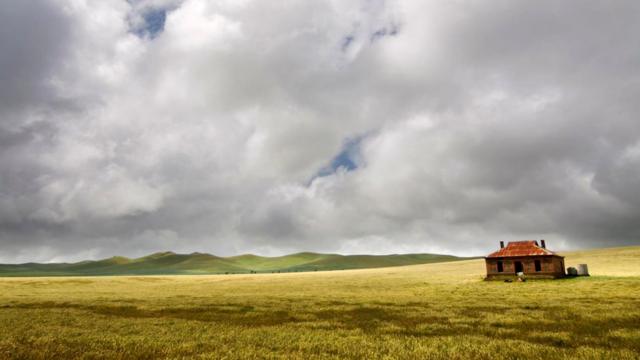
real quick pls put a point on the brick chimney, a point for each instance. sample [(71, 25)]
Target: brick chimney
[(544, 246), (501, 244)]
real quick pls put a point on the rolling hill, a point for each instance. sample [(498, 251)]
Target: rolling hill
[(169, 263)]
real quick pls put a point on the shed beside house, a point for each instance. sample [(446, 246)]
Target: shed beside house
[(528, 257)]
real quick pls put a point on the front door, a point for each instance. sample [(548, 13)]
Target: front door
[(518, 266)]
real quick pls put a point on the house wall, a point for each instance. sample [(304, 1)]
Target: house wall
[(551, 266)]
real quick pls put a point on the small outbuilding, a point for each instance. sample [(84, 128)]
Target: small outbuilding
[(528, 257)]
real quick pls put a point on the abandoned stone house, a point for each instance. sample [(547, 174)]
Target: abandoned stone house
[(528, 257)]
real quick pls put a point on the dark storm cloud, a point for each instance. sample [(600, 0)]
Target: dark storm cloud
[(34, 36), (474, 122)]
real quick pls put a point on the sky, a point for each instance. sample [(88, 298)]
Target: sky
[(272, 127)]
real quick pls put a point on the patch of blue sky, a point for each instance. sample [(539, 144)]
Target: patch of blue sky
[(346, 42), (346, 160), (387, 31), (391, 30), (154, 20)]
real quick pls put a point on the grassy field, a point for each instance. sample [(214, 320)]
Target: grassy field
[(441, 311)]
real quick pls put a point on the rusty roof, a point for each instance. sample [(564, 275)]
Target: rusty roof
[(521, 248)]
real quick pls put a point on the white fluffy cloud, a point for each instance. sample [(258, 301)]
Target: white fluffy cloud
[(269, 127)]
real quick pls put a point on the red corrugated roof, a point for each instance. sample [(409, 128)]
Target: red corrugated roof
[(521, 248)]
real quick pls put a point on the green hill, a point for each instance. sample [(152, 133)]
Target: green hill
[(169, 263), (343, 262)]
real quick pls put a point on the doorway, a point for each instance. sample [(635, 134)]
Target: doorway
[(518, 266)]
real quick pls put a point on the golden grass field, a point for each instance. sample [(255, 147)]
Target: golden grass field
[(439, 311)]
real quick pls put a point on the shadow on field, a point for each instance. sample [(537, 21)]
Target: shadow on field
[(551, 326)]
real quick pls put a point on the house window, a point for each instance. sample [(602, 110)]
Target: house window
[(500, 268), (538, 267)]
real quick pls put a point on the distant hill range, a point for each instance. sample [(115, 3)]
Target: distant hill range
[(169, 263)]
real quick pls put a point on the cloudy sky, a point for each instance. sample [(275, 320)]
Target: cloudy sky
[(271, 127)]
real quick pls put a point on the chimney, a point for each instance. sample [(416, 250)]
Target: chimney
[(501, 244), (544, 246)]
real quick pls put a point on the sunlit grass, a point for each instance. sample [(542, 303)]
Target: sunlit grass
[(426, 311)]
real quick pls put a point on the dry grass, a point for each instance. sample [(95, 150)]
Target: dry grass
[(622, 261), (425, 311)]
